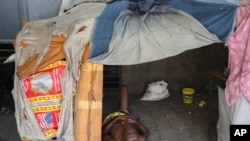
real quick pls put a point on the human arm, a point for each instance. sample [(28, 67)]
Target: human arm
[(143, 129), (106, 129), (107, 137)]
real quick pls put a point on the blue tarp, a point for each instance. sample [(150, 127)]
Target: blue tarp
[(103, 28), (217, 18), (234, 2)]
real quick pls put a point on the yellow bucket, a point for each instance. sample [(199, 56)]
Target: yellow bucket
[(188, 95)]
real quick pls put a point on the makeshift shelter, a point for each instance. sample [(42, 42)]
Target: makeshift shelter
[(118, 32)]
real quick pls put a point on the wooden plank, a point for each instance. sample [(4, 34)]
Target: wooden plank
[(88, 101), (218, 74)]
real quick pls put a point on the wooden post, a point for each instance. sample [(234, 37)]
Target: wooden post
[(88, 101)]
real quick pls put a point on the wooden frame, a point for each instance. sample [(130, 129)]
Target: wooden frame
[(88, 101)]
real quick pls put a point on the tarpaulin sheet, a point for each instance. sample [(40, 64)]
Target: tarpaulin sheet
[(212, 15), (35, 39), (143, 36)]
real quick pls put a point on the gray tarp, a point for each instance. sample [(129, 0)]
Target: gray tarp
[(158, 33), (37, 36)]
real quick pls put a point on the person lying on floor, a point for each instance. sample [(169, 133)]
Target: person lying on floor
[(121, 126)]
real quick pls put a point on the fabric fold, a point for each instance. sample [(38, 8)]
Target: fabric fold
[(158, 33), (34, 41), (238, 58)]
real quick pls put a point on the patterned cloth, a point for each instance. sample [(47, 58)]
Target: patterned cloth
[(44, 94), (239, 58)]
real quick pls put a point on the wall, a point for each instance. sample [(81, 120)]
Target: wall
[(13, 12), (189, 69)]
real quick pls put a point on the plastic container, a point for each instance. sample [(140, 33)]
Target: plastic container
[(188, 94)]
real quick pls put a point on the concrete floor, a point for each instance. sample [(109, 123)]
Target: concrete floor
[(8, 130), (172, 120), (168, 120)]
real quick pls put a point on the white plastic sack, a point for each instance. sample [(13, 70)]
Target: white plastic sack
[(156, 91), (11, 58)]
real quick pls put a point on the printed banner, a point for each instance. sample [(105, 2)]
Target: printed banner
[(44, 93)]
